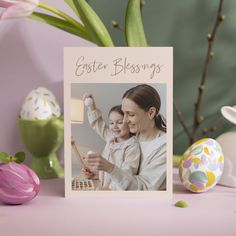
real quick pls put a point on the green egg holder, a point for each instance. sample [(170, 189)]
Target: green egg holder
[(43, 139)]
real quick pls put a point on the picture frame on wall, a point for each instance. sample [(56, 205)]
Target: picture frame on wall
[(118, 115)]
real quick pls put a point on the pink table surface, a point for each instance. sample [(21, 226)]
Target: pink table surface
[(210, 213)]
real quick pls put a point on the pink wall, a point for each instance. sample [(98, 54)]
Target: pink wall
[(31, 55)]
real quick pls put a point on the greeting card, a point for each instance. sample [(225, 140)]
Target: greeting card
[(118, 121)]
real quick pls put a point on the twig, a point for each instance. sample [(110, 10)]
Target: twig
[(142, 3), (181, 120), (116, 25), (197, 119), (213, 127)]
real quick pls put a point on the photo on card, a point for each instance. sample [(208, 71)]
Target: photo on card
[(118, 121)]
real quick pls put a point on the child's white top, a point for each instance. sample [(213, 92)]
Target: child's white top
[(124, 155)]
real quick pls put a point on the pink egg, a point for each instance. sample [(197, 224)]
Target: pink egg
[(18, 183)]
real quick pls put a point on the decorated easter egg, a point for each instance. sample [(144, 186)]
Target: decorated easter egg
[(19, 184), (90, 152), (40, 104), (202, 165), (88, 102)]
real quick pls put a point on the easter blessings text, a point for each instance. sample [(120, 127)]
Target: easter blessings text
[(118, 66)]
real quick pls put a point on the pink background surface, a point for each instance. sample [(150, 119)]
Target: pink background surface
[(210, 213), (31, 55)]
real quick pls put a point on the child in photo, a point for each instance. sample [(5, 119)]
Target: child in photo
[(122, 148)]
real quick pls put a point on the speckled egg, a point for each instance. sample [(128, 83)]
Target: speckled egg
[(40, 104), (202, 165)]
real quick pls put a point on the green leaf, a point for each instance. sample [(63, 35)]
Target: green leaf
[(93, 24), (4, 157), (181, 204), (134, 31), (61, 24), (176, 160), (19, 157), (73, 7)]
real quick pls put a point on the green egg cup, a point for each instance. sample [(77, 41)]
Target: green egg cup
[(43, 139)]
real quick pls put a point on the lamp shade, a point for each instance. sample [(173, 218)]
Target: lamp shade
[(77, 110)]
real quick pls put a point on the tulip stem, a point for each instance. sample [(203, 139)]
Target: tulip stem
[(61, 14)]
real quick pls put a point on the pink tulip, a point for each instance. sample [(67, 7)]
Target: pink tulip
[(17, 8), (18, 183)]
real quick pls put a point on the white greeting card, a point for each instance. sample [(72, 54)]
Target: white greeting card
[(118, 121)]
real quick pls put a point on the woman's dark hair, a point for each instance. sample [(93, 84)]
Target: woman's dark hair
[(116, 109), (145, 97)]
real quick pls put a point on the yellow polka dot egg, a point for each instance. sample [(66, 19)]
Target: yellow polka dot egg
[(202, 165)]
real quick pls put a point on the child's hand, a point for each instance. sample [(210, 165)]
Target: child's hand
[(89, 101), (88, 174), (98, 163)]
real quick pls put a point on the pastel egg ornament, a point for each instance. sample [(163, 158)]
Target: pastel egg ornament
[(88, 101), (41, 127), (35, 108), (51, 100), (202, 165), (18, 183), (40, 104)]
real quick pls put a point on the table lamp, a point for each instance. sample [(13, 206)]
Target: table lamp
[(77, 111), (77, 117)]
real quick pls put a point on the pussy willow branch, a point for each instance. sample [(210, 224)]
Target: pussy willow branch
[(181, 120), (213, 128), (211, 37), (116, 25), (197, 105), (142, 3)]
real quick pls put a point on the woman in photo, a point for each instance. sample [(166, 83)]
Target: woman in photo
[(141, 106)]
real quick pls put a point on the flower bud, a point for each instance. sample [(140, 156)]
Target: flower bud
[(209, 37), (114, 24), (222, 18)]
